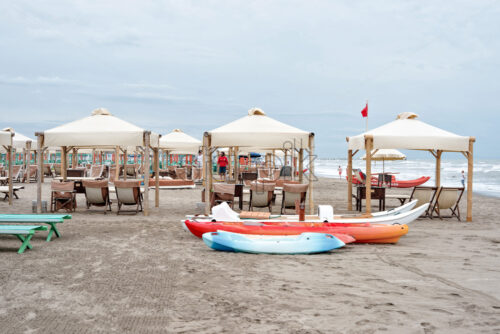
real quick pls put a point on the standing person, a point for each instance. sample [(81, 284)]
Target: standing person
[(222, 162), (199, 159), (340, 172), (463, 179)]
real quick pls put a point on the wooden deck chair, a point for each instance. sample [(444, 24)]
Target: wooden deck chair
[(128, 192), (286, 172), (97, 193), (56, 169), (424, 195), (75, 172), (261, 195), (46, 170), (291, 193), (248, 177), (264, 173), (16, 173), (63, 196), (281, 183), (223, 192), (96, 171), (275, 174), (181, 173), (111, 174), (197, 173), (131, 171), (447, 198), (32, 173)]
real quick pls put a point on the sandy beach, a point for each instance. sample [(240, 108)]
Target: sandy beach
[(132, 274)]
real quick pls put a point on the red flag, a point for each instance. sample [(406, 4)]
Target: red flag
[(364, 112)]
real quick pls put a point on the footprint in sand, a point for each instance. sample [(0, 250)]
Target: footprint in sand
[(441, 311), (428, 328)]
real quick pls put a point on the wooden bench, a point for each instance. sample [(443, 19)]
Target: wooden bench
[(5, 190), (23, 232), (402, 198), (50, 220)]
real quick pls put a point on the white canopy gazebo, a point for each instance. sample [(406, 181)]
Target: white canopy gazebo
[(407, 132), (101, 130), (6, 143), (178, 142), (24, 143), (258, 130)]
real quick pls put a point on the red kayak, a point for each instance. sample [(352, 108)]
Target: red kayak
[(397, 183), (362, 233)]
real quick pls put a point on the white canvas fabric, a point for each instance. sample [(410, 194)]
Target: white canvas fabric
[(259, 130), (5, 138), (101, 129), (407, 132), (177, 142), (223, 212), (19, 140)]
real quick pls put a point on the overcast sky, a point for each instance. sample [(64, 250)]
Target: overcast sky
[(196, 65)]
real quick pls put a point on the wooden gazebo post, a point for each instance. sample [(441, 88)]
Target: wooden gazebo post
[(64, 162), (349, 179), (311, 173), (470, 172), (28, 160), (39, 142), (207, 164), (301, 164), (125, 158), (438, 167), (147, 142), (10, 152), (368, 181), (156, 152)]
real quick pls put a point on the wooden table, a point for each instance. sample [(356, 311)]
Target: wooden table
[(376, 193)]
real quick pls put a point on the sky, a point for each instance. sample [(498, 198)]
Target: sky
[(196, 65)]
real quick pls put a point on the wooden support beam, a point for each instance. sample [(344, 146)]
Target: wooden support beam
[(147, 143), (301, 164), (470, 172), (74, 158), (12, 159), (125, 158), (368, 183), (311, 173), (157, 176), (207, 166), (349, 179), (64, 162), (28, 161), (117, 162), (39, 142), (438, 167)]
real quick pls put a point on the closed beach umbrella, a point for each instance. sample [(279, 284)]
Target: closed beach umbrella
[(386, 154)]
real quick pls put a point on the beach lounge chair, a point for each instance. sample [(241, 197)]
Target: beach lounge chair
[(197, 174), (424, 195), (63, 196), (23, 232), (56, 170), (97, 193), (261, 195), (447, 198), (264, 173), (223, 192), (128, 192), (16, 173), (46, 170), (276, 173), (181, 173), (131, 171), (32, 173), (96, 171), (286, 172), (111, 174), (5, 191), (292, 193), (248, 177)]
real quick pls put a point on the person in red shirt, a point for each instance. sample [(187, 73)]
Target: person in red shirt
[(222, 162)]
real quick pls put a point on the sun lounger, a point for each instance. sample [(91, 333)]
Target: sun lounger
[(50, 220), (292, 193), (128, 193), (447, 198), (62, 196), (16, 173), (33, 173), (97, 193), (23, 233), (424, 195), (261, 195), (223, 192), (5, 191)]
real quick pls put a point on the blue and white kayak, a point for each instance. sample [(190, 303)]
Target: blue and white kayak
[(306, 243)]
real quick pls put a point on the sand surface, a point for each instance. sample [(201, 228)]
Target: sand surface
[(132, 274)]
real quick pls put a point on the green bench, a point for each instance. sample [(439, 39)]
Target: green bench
[(23, 232), (51, 220)]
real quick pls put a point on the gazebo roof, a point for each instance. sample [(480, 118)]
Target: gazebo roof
[(180, 143), (100, 129), (5, 138), (407, 132), (259, 130)]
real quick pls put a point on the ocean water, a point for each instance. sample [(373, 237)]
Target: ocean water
[(486, 172)]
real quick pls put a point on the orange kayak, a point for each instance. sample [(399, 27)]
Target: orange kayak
[(363, 233)]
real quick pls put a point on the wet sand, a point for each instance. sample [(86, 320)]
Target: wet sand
[(136, 274)]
